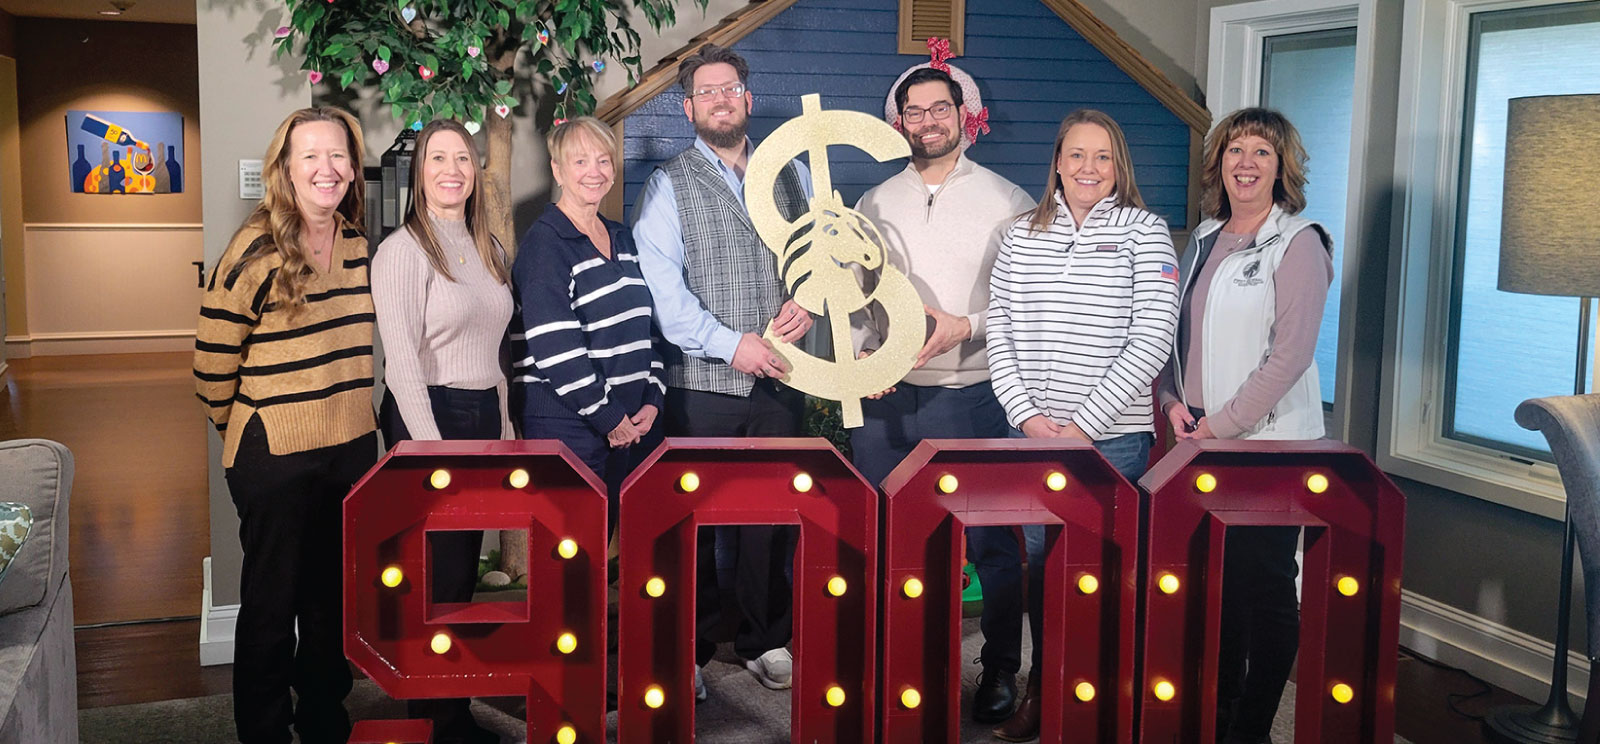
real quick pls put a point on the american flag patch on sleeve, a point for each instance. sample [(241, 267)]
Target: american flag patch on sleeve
[(1168, 271)]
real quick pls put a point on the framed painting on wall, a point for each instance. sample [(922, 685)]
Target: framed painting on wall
[(125, 152)]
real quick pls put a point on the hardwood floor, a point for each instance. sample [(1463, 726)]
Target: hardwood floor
[(144, 663), (140, 527), (139, 519)]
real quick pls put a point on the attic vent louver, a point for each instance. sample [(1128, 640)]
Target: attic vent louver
[(920, 19)]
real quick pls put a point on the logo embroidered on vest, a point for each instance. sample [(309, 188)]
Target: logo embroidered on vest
[(1250, 279)]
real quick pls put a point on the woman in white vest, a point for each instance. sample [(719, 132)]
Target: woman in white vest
[(1253, 282)]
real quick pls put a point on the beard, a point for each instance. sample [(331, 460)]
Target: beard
[(920, 151), (730, 136)]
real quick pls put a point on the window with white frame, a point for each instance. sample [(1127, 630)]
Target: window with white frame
[(1504, 348), (1459, 354)]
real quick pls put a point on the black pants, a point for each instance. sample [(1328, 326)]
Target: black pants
[(766, 601), (612, 464), (459, 414), (1260, 633), (289, 525)]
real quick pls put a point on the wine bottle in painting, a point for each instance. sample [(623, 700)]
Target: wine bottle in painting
[(174, 170), (118, 175), (80, 171), (111, 132), (102, 174), (162, 177)]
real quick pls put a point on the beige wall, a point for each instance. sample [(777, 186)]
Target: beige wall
[(159, 75), (1162, 31), (96, 273), (124, 287), (11, 253)]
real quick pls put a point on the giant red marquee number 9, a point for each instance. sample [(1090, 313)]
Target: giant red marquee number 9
[(413, 647)]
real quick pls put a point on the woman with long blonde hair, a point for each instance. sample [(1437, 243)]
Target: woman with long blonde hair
[(283, 364), (442, 288)]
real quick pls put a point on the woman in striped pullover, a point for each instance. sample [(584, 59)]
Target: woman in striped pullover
[(283, 363), (442, 290), (1083, 304), (589, 373)]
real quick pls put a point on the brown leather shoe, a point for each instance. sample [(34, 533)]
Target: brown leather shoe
[(1024, 724)]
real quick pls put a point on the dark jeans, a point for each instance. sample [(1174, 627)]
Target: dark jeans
[(894, 425), (612, 464), (459, 414), (289, 524), (1130, 455), (766, 601), (1260, 632)]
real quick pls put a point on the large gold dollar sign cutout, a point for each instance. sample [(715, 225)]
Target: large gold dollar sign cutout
[(815, 253)]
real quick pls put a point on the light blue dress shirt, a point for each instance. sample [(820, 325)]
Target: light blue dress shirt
[(659, 236)]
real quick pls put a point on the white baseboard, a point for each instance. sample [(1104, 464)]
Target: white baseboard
[(1506, 658), (106, 342), (216, 625)]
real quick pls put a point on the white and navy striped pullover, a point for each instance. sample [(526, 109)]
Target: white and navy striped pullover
[(1081, 320), (583, 339)]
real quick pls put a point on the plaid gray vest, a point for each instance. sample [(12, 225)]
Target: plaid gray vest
[(725, 264)]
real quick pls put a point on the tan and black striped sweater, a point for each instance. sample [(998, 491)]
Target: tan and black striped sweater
[(307, 373)]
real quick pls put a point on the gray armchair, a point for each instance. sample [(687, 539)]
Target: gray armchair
[(1571, 424), (38, 665)]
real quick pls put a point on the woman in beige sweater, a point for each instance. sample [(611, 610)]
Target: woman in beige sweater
[(441, 286)]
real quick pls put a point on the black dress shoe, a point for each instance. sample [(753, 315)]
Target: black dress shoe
[(996, 696)]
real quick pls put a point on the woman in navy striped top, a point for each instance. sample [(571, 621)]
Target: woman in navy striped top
[(588, 371)]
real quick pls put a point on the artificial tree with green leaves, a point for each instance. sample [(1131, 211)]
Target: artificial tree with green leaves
[(457, 59)]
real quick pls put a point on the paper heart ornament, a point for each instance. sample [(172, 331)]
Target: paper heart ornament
[(408, 13), (473, 51), (281, 32), (380, 65), (502, 110), (544, 36), (425, 72), (472, 127), (599, 65), (314, 76)]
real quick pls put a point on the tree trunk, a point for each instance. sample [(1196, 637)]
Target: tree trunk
[(497, 189), (497, 192)]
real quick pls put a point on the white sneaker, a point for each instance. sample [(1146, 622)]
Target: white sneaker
[(774, 669), (700, 693)]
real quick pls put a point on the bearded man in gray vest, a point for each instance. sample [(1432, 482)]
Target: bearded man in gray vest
[(716, 287)]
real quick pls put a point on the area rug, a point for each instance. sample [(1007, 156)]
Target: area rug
[(739, 711)]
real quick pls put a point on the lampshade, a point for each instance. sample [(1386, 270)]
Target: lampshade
[(1550, 224)]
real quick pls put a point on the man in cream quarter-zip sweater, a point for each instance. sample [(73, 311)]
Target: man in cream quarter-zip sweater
[(941, 220)]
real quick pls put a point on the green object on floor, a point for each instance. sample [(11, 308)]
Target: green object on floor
[(972, 593)]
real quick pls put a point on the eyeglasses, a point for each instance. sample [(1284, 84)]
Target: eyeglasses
[(940, 111), (733, 90)]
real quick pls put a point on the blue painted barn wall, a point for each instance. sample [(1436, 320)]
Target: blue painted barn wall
[(1032, 69)]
